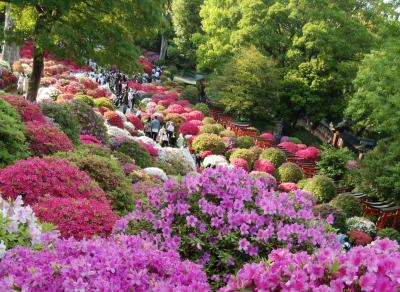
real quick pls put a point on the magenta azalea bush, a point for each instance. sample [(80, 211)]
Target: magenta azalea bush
[(28, 111), (240, 163), (45, 139), (78, 218), (189, 128), (34, 178), (310, 153), (371, 268), (89, 139), (120, 263), (224, 218), (264, 166)]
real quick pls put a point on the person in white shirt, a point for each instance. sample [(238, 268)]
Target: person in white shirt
[(171, 133)]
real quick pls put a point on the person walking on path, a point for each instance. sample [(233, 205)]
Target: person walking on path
[(171, 133), (155, 128), (163, 137)]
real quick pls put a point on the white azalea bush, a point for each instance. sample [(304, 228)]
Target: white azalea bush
[(215, 160), (156, 172), (180, 159), (361, 224), (115, 132), (19, 226)]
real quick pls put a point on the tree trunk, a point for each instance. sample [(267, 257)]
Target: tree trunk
[(164, 46), (37, 69), (10, 52)]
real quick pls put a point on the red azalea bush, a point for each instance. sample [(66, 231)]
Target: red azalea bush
[(78, 218), (135, 121), (45, 139), (149, 148), (175, 109), (28, 111), (240, 163), (357, 237), (89, 139), (197, 123), (89, 83), (287, 187), (311, 153), (114, 119), (264, 166), (189, 128), (35, 177), (165, 102), (196, 115), (301, 146), (205, 154), (289, 147), (268, 136)]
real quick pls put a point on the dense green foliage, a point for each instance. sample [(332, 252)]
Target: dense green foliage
[(13, 145), (108, 173), (248, 85), (321, 187), (289, 172), (380, 171), (245, 154), (135, 151), (167, 167), (324, 210), (348, 203), (333, 162), (390, 233), (276, 156), (245, 142), (210, 142), (67, 121), (202, 107), (375, 107), (191, 94)]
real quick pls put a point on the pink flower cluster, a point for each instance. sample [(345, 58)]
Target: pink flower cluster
[(289, 147), (287, 187), (223, 218), (34, 178), (45, 139), (175, 109), (189, 128), (240, 163), (120, 263), (264, 166), (149, 148), (193, 115), (310, 153), (371, 268), (78, 218), (268, 136), (89, 139)]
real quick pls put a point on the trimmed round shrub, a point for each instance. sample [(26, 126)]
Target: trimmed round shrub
[(276, 156), (361, 224), (210, 142), (264, 166), (359, 238), (322, 188), (390, 233), (257, 151), (133, 150), (212, 129), (85, 98), (106, 152), (189, 128), (89, 122), (268, 136), (65, 120), (13, 144), (191, 94), (109, 175), (34, 178), (78, 218), (339, 221), (245, 154), (208, 121), (135, 121), (310, 153), (302, 183), (289, 172), (168, 168), (45, 139), (176, 119), (240, 163), (114, 119), (104, 102), (289, 147), (28, 111), (202, 107), (227, 133), (245, 142), (348, 203)]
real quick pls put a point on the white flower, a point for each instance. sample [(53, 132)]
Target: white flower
[(361, 224), (179, 156), (117, 132), (129, 126), (146, 100), (45, 94), (156, 172), (214, 160), (3, 249)]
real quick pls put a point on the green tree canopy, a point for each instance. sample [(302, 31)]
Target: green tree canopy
[(105, 31), (248, 85), (375, 107)]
